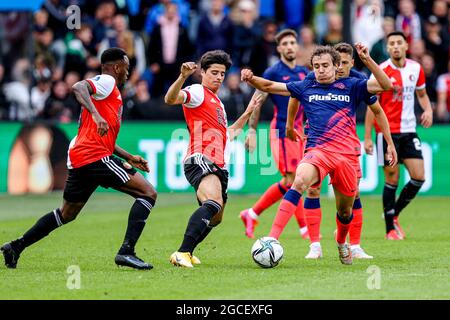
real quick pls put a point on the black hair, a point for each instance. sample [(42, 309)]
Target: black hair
[(397, 33), (112, 54), (215, 57)]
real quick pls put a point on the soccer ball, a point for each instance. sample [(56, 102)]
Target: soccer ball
[(267, 252)]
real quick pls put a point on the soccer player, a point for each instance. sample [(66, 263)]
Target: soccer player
[(286, 153), (312, 202), (332, 146), (92, 162), (205, 164), (407, 77)]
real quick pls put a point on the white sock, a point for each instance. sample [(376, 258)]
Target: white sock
[(252, 214), (355, 246), (315, 244), (303, 230)]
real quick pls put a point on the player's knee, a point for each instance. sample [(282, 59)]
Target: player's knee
[(149, 192), (345, 212), (313, 193), (299, 184)]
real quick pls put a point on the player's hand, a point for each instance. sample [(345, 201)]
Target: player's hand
[(426, 119), (391, 155), (363, 51), (246, 75), (250, 141), (368, 146), (294, 135), (188, 68), (139, 163), (102, 125)]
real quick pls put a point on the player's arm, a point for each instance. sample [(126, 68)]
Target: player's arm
[(263, 84), (426, 119), (236, 128), (83, 91), (368, 125), (291, 132), (174, 95), (381, 81), (383, 123), (250, 140), (134, 160)]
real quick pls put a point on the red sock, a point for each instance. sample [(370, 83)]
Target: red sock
[(342, 229), (357, 222), (285, 211), (300, 214), (313, 215), (272, 195)]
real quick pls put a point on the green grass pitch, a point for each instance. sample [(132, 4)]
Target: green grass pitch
[(416, 268)]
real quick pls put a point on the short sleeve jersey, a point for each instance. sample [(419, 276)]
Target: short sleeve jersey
[(330, 109), (88, 146), (443, 85), (207, 123), (398, 103), (280, 72)]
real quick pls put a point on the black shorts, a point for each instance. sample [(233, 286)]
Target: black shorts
[(198, 166), (108, 172), (407, 145)]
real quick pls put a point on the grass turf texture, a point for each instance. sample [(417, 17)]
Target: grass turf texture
[(416, 268)]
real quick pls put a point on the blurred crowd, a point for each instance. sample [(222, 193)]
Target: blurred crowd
[(159, 35)]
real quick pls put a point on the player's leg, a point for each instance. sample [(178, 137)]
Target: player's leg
[(276, 191), (345, 184), (307, 174), (313, 214), (344, 204), (77, 191), (299, 212), (280, 221), (356, 229), (391, 177), (209, 195), (145, 197), (416, 171)]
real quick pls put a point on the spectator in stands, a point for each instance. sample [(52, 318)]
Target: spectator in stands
[(436, 43), (169, 46), (215, 30), (408, 21), (322, 10), (3, 102), (246, 33), (307, 45), (443, 91), (235, 96), (41, 91), (416, 49), (428, 64), (56, 19), (264, 52), (103, 21), (17, 91), (61, 105), (81, 54), (335, 28), (135, 45), (159, 9), (379, 50), (367, 20)]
